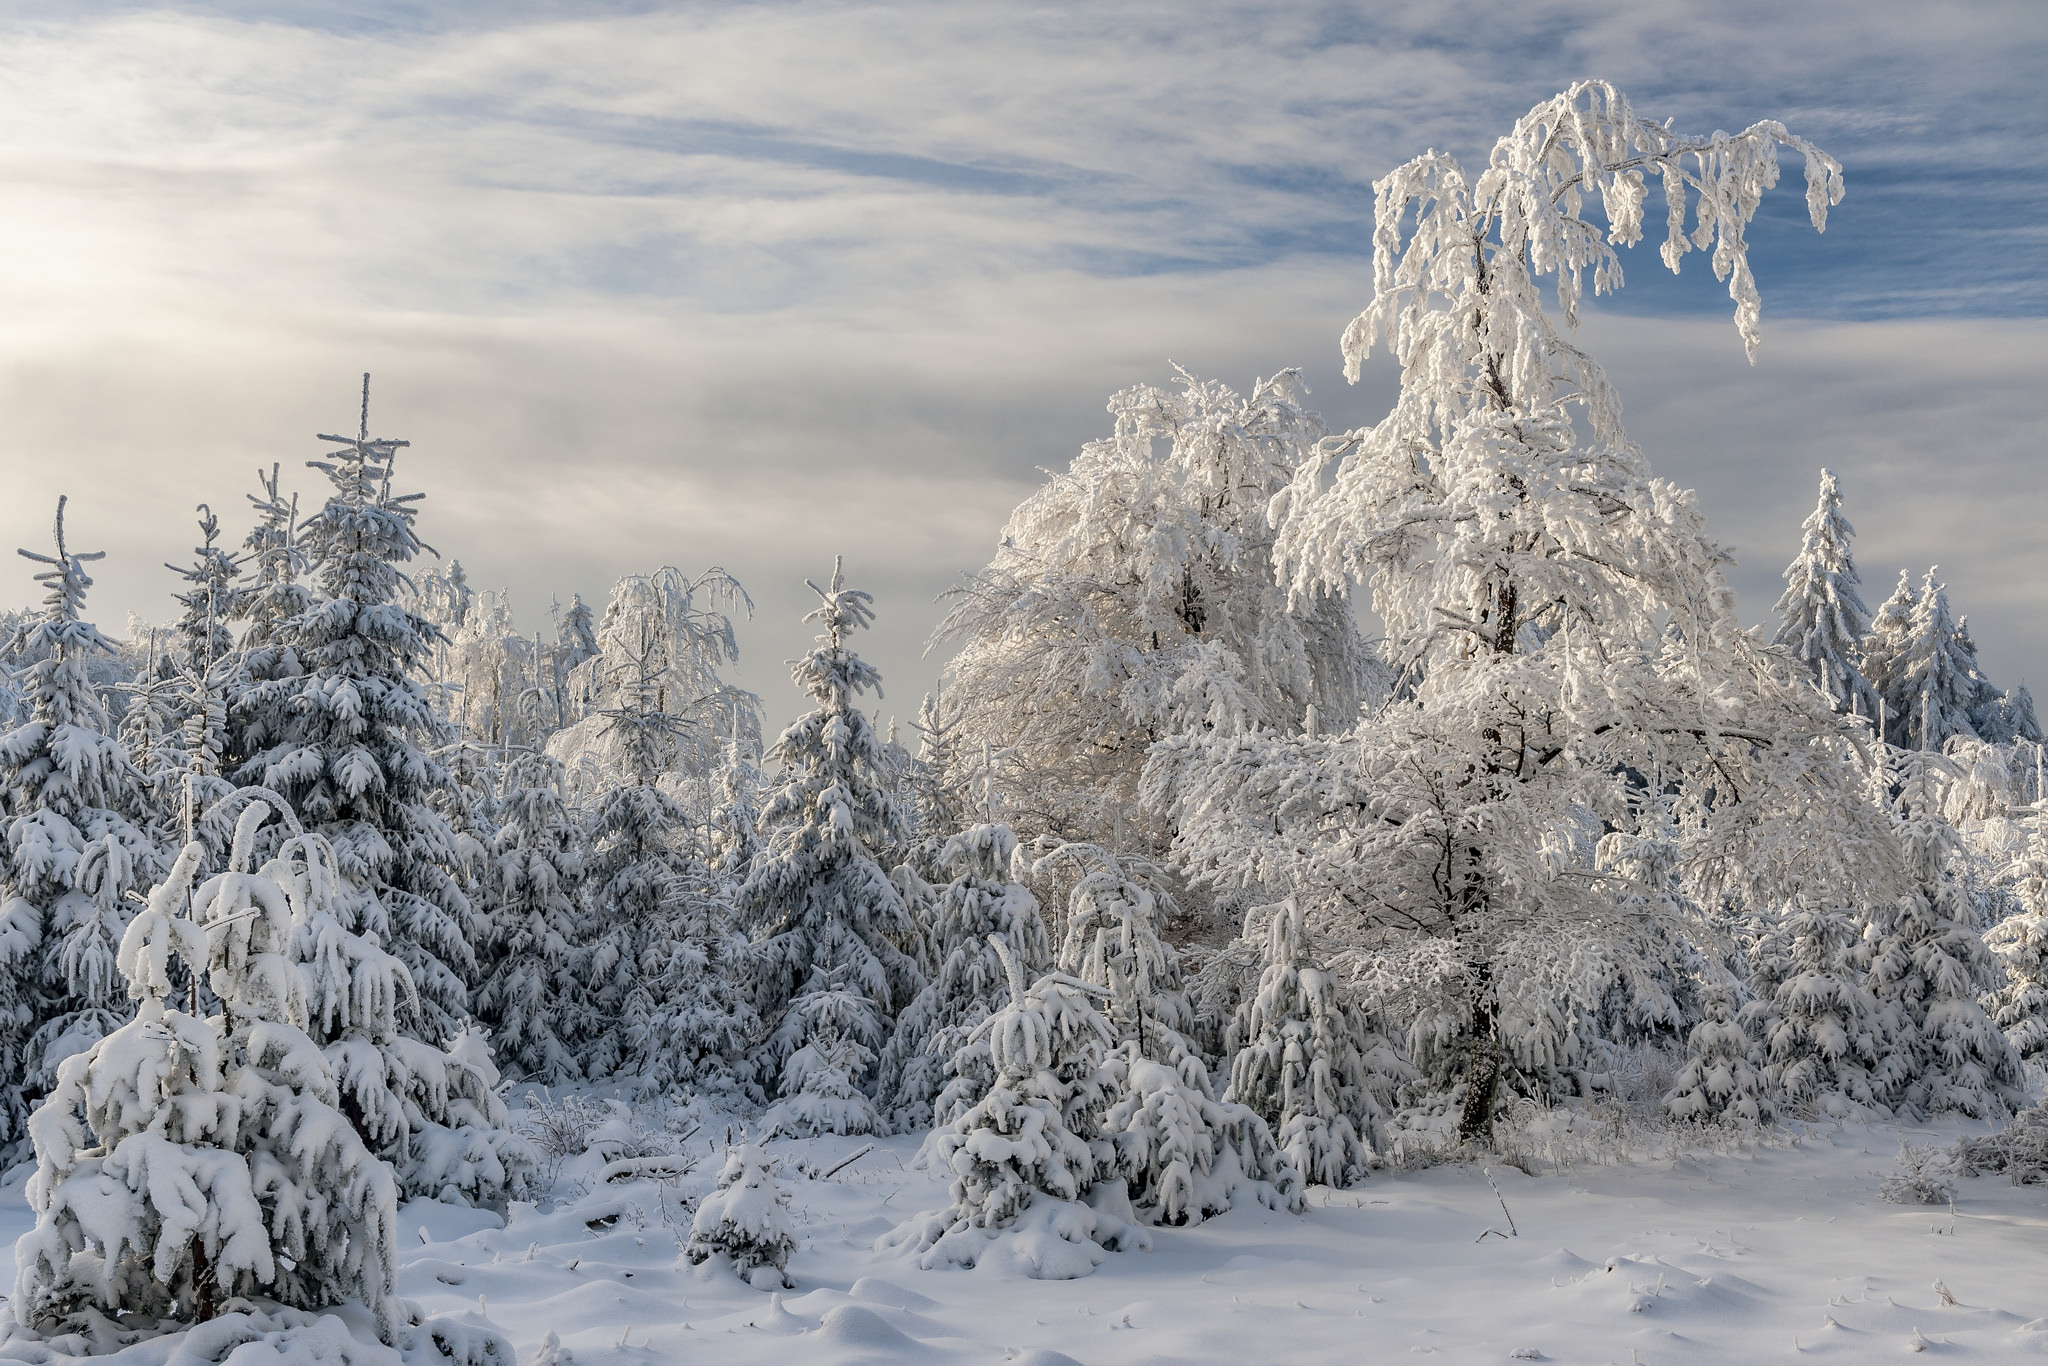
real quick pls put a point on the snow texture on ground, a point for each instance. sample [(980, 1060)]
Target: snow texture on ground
[(1784, 1250)]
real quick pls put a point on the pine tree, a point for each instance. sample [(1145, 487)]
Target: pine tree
[(837, 1033), (213, 599), (533, 994), (745, 1222), (823, 914), (1822, 617), (1026, 1154), (1309, 1061), (1723, 1075), (1938, 682), (77, 844), (1887, 652), (275, 595), (1829, 1043), (2008, 718), (433, 1113), (230, 1168), (1930, 968), (344, 739), (979, 906)]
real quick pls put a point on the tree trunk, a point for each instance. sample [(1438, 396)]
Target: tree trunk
[(1482, 1072)]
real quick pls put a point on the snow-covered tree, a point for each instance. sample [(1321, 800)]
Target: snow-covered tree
[(1112, 938), (1723, 1075), (1560, 619), (1930, 967), (1027, 1153), (1887, 652), (1828, 1042), (659, 650), (533, 993), (1133, 597), (1309, 1061), (275, 563), (183, 1162), (837, 1035), (1822, 619), (822, 913), (937, 789), (346, 738), (434, 1113), (745, 1222), (2008, 718), (78, 843), (1937, 679), (980, 905), (212, 599)]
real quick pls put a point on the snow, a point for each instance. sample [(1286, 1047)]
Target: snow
[(1784, 1248)]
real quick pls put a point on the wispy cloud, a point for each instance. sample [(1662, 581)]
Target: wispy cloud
[(753, 283)]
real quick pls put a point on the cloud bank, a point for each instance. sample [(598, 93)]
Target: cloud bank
[(757, 284)]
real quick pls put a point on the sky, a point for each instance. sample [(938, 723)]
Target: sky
[(755, 285)]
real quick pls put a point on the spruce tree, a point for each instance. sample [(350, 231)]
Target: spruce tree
[(212, 600), (533, 994), (1309, 1061), (1822, 617), (1931, 967), (1940, 677), (1724, 1068), (78, 842), (346, 737), (823, 914), (1887, 655), (1828, 1042), (230, 1170), (979, 906)]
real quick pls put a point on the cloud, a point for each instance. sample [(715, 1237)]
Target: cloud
[(751, 283)]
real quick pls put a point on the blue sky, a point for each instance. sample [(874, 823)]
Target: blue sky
[(755, 284)]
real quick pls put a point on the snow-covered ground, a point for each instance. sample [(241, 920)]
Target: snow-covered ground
[(1739, 1257)]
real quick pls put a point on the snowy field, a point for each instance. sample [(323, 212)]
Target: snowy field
[(1780, 1250)]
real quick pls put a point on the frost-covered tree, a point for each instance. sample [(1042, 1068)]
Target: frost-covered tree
[(837, 1036), (1723, 1075), (2008, 718), (1112, 938), (745, 1222), (1133, 597), (1930, 966), (212, 599), (978, 907), (1559, 617), (1822, 619), (1024, 1157), (651, 959), (533, 994), (184, 1162), (2020, 1005), (659, 650), (78, 844), (433, 1113), (937, 786), (1309, 1061), (822, 913), (1887, 653), (1828, 1042), (347, 737), (274, 595), (1937, 679)]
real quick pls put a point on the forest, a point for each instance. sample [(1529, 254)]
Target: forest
[(1296, 806)]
